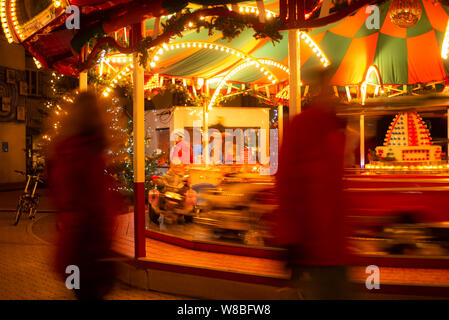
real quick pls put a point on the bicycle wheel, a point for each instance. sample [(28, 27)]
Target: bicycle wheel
[(32, 212), (18, 213), (34, 207)]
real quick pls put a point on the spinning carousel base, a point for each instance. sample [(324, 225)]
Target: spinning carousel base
[(194, 237), (211, 275)]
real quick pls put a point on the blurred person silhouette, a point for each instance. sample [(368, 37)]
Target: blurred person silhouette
[(309, 182), (82, 194), (182, 149)]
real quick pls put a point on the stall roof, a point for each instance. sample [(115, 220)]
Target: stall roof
[(348, 44)]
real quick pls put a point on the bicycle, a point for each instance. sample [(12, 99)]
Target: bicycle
[(28, 201)]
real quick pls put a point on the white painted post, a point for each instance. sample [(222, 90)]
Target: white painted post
[(157, 22), (261, 8), (205, 136), (447, 152), (280, 122), (83, 81), (295, 72), (362, 141), (139, 156)]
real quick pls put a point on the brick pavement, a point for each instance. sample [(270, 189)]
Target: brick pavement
[(162, 252), (25, 268), (25, 271)]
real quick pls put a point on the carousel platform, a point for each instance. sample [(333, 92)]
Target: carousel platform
[(196, 237), (175, 269)]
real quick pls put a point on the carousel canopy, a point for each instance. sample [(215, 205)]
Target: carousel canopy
[(402, 55)]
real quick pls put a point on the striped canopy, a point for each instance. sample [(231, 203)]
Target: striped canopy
[(211, 63), (403, 56)]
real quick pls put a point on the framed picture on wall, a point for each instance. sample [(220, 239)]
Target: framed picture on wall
[(21, 113), (6, 104), (23, 88), (10, 76)]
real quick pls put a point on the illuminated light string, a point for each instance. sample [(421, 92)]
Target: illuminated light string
[(285, 93), (15, 22), (254, 10), (38, 64), (231, 73), (411, 167), (153, 82), (315, 48), (212, 46), (273, 63), (445, 48), (4, 19), (13, 15), (242, 9), (122, 73), (260, 63), (379, 87), (120, 59)]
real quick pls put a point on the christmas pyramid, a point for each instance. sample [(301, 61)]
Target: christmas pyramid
[(408, 140)]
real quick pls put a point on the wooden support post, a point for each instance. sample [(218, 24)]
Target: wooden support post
[(83, 83), (348, 93), (139, 148), (262, 14), (280, 123), (157, 22), (295, 72), (447, 151), (205, 135), (362, 141), (325, 7)]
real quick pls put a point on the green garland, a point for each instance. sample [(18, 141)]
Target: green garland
[(251, 92), (230, 26)]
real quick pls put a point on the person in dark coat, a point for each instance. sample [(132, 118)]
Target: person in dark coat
[(311, 217), (82, 194)]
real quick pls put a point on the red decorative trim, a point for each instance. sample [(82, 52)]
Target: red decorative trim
[(401, 262), (210, 273), (103, 41), (215, 247), (139, 220), (320, 22), (164, 37), (408, 290)]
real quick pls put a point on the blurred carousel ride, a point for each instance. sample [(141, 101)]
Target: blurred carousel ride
[(239, 207)]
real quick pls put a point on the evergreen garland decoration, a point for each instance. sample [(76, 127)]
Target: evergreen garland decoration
[(231, 24), (262, 99)]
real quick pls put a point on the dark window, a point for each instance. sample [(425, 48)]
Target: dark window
[(33, 81)]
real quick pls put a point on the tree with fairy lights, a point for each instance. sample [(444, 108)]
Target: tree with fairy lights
[(119, 155), (121, 151)]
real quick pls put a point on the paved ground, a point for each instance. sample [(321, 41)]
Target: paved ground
[(25, 262), (26, 251)]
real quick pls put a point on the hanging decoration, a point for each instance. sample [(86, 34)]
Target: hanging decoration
[(405, 13), (153, 82)]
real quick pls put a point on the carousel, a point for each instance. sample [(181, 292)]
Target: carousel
[(373, 49)]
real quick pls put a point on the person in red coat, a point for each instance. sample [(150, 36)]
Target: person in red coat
[(82, 194), (311, 217)]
